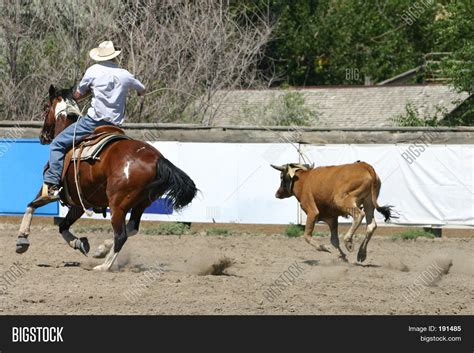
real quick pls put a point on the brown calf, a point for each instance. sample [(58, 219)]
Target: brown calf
[(328, 192)]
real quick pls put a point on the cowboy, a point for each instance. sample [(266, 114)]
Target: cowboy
[(109, 86)]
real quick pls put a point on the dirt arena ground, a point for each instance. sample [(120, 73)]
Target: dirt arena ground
[(169, 274)]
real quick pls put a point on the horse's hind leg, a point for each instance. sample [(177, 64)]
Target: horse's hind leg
[(357, 217), (120, 237), (72, 216), (134, 223), (132, 229)]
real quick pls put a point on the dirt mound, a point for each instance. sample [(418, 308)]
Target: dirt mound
[(217, 268)]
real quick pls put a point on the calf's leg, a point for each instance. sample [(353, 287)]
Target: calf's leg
[(332, 223), (311, 217), (357, 216), (371, 226)]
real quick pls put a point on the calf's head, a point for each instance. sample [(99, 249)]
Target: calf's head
[(288, 177)]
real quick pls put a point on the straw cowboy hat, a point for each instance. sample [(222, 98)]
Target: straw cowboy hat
[(105, 51)]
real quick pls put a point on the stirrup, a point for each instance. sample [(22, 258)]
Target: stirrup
[(47, 195)]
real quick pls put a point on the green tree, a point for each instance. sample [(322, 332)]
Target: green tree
[(317, 42), (454, 28), (455, 34)]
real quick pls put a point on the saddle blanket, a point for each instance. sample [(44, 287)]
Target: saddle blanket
[(93, 151)]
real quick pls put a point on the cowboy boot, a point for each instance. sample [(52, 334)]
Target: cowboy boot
[(49, 193)]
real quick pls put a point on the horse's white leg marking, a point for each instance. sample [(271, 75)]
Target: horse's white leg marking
[(26, 222), (109, 261), (131, 228)]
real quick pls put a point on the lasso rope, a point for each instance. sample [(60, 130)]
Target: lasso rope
[(79, 113), (89, 213)]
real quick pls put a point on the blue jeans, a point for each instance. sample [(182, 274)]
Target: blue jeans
[(63, 142)]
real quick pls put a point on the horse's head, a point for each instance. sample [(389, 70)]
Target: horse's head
[(60, 111)]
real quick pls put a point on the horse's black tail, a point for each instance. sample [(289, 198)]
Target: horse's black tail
[(172, 181)]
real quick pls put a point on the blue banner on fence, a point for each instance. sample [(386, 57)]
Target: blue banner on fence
[(21, 176), (161, 206)]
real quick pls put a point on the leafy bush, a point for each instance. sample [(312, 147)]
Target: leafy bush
[(463, 115), (412, 117), (176, 228), (413, 234), (218, 231), (289, 109), (286, 109), (294, 230)]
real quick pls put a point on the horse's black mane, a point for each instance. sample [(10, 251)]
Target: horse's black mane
[(64, 92)]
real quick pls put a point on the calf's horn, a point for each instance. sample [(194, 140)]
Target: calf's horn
[(279, 168)]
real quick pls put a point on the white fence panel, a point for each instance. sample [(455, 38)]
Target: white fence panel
[(237, 185), (435, 188)]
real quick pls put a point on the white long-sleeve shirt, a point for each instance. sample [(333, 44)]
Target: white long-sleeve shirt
[(109, 85)]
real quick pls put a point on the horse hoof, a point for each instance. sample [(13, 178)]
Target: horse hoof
[(343, 257), (22, 245), (100, 252), (349, 245), (101, 268), (361, 256), (103, 249), (82, 245), (323, 247)]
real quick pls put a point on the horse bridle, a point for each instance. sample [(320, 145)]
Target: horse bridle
[(70, 108)]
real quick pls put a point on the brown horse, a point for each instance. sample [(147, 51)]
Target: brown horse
[(129, 175)]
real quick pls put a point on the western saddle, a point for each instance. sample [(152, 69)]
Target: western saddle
[(89, 148)]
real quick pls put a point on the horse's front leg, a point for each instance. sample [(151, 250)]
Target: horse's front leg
[(22, 243), (132, 229)]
